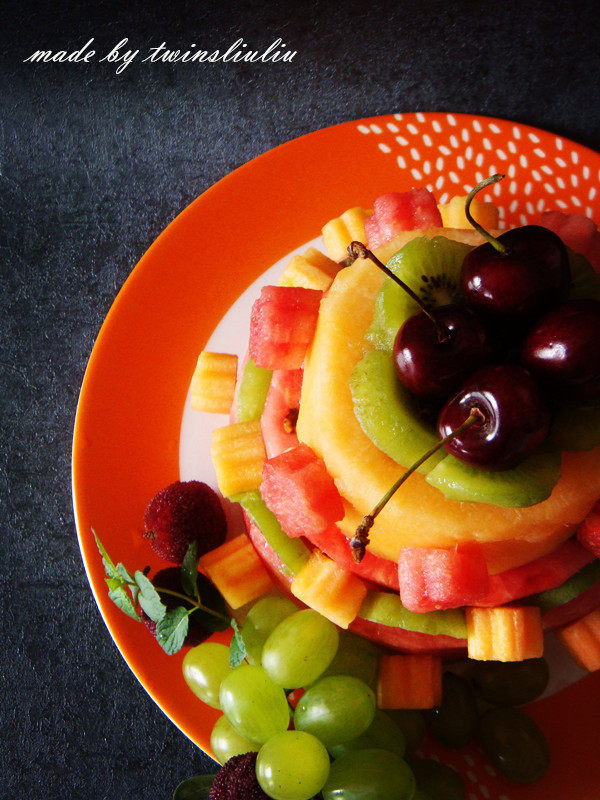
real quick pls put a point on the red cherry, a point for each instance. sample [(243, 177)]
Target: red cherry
[(563, 349), (523, 280), (431, 368), (515, 418)]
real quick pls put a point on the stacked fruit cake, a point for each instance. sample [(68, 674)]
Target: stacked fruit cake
[(350, 380)]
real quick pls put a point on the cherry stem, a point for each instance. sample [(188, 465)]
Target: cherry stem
[(359, 250), (360, 539), (487, 236)]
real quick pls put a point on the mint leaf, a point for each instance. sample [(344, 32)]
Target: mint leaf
[(237, 648), (118, 594), (122, 571), (172, 629), (196, 788), (149, 599), (109, 567), (189, 570)]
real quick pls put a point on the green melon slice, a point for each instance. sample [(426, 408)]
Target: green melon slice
[(431, 268)]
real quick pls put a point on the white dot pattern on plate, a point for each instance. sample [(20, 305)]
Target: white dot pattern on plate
[(478, 148)]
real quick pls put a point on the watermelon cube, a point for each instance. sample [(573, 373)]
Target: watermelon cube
[(436, 578), (395, 212), (589, 531), (282, 326), (300, 492), (577, 232)]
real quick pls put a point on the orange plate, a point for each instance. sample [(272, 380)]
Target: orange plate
[(128, 421)]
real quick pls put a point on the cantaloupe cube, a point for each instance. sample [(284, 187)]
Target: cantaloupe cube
[(213, 382), (238, 453), (453, 213), (409, 681), (582, 640), (333, 591), (311, 270), (237, 571), (339, 232), (504, 633)]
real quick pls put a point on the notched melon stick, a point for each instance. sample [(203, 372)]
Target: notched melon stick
[(252, 392), (507, 633), (582, 640), (213, 382), (237, 571), (409, 681)]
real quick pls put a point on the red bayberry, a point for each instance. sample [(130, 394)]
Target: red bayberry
[(181, 513), (237, 780)]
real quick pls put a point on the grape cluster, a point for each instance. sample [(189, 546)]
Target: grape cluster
[(303, 702)]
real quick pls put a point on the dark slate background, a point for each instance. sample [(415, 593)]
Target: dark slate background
[(93, 166)]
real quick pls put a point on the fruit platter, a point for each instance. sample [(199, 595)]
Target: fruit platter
[(338, 449)]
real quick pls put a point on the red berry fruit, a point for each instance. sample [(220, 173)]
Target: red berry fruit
[(181, 513), (237, 780)]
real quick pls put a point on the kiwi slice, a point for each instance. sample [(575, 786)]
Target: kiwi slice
[(431, 268), (527, 484), (585, 281), (569, 590), (385, 608), (253, 391), (388, 414), (576, 427)]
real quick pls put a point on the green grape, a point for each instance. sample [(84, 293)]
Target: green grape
[(256, 707), (292, 766), (382, 734), (514, 744), (300, 649), (412, 725), (204, 668), (511, 683), (226, 742), (261, 621), (437, 780), (355, 656), (369, 775), (454, 723), (336, 709)]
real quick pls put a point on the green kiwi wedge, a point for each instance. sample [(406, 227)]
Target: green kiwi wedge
[(525, 485), (431, 268), (585, 281), (388, 413), (567, 591)]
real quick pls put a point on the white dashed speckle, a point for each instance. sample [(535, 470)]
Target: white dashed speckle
[(576, 201), (477, 125), (511, 171), (384, 148), (412, 128), (416, 156), (427, 140), (494, 128), (574, 156), (513, 206), (454, 141), (464, 135), (574, 181), (401, 162), (548, 170), (420, 116), (364, 129), (592, 193), (444, 198), (398, 116), (539, 152), (479, 159), (439, 164), (445, 150), (523, 161), (487, 144), (393, 128), (439, 182), (535, 174), (516, 132), (402, 141), (471, 776), (479, 177), (535, 139), (560, 161), (451, 120), (416, 174), (512, 147), (541, 204), (523, 219), (469, 153), (454, 177), (529, 207), (484, 791), (427, 167), (527, 188), (436, 126), (469, 759), (561, 204), (460, 162), (375, 128), (559, 143), (549, 188), (586, 171), (560, 182), (501, 154)]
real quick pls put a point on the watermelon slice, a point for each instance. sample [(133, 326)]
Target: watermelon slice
[(395, 212), (577, 232), (281, 410), (282, 325), (436, 578), (589, 531), (300, 492)]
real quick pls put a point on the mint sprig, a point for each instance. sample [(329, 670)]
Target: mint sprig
[(237, 648), (199, 597)]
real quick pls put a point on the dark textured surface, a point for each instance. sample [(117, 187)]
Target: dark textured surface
[(92, 167)]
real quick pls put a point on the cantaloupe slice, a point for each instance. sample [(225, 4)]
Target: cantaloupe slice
[(339, 232), (418, 515), (237, 571), (582, 640), (311, 270), (409, 681), (213, 382)]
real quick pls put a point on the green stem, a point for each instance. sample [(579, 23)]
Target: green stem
[(361, 537), (487, 236), (189, 600), (359, 250)]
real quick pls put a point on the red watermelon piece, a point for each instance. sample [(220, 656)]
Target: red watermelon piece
[(577, 232), (589, 531), (435, 578), (401, 211), (282, 325), (300, 492), (283, 401)]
